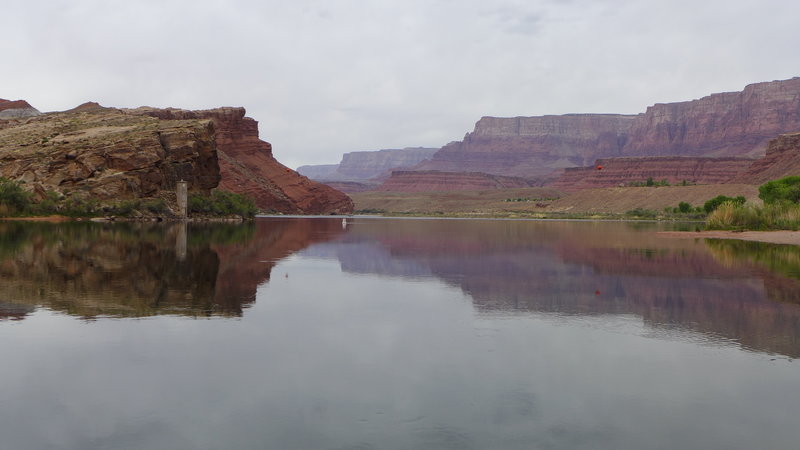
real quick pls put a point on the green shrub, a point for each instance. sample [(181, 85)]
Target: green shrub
[(13, 199), (222, 203), (642, 213), (733, 216), (684, 207), (785, 189), (715, 202)]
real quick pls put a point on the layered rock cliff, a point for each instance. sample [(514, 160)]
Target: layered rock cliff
[(362, 166), (434, 180), (16, 109), (734, 124), (608, 172), (782, 159), (726, 124), (533, 146), (248, 167), (108, 154)]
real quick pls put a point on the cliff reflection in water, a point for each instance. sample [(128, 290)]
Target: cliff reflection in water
[(137, 270), (582, 268)]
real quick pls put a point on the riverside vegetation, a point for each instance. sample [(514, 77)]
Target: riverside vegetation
[(15, 201), (780, 211)]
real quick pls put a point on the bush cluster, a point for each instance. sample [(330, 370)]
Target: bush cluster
[(781, 210), (222, 203), (715, 202), (16, 201)]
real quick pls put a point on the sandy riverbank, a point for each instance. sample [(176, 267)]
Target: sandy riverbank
[(772, 237)]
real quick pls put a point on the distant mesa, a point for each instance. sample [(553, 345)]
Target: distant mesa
[(16, 109), (368, 167)]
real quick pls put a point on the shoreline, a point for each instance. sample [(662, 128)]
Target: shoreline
[(785, 237)]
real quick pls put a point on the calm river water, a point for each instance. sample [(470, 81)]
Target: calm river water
[(301, 333)]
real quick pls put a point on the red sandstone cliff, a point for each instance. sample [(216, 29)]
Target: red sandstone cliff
[(733, 124), (726, 124), (533, 146), (248, 167)]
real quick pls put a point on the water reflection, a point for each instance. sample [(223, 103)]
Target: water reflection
[(575, 268), (137, 270), (729, 290)]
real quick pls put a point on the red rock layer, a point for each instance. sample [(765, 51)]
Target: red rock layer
[(16, 109), (675, 169), (248, 167), (432, 180), (782, 159), (13, 104)]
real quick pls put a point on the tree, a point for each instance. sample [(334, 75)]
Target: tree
[(684, 207), (783, 190), (715, 202)]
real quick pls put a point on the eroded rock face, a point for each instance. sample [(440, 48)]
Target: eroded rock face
[(782, 159), (248, 167), (108, 154), (362, 166), (533, 147), (610, 172), (726, 124), (16, 109), (433, 180)]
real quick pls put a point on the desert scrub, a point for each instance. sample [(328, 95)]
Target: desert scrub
[(222, 203), (730, 216)]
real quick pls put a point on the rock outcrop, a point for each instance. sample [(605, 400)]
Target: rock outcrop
[(362, 166), (611, 172), (782, 159), (16, 109), (434, 180), (248, 167), (108, 154)]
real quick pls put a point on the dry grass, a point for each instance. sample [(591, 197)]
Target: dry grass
[(754, 217), (589, 201)]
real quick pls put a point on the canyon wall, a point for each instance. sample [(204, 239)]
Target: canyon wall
[(434, 180), (725, 125), (248, 167), (362, 166), (533, 147), (610, 172)]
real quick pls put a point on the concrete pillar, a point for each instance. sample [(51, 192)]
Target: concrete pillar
[(183, 210)]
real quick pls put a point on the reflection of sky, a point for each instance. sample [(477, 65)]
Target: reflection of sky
[(327, 359)]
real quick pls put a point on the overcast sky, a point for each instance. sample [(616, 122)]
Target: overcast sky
[(328, 77)]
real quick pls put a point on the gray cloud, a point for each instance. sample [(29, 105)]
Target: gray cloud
[(327, 77)]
